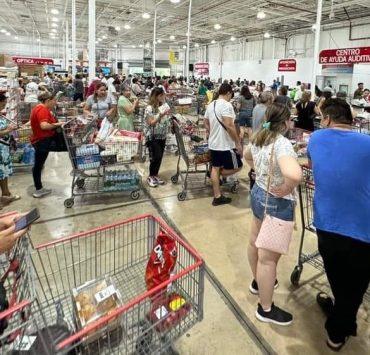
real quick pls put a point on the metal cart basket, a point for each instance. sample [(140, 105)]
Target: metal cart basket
[(99, 168), (306, 195), (193, 150), (119, 251)]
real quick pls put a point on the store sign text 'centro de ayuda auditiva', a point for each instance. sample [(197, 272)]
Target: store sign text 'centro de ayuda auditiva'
[(345, 56), (33, 61)]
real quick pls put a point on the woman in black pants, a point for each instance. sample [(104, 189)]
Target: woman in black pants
[(44, 138), (156, 127)]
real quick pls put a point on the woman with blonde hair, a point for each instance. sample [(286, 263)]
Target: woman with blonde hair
[(277, 175), (155, 130)]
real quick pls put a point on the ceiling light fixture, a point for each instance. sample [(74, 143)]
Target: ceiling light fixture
[(54, 30), (55, 19), (54, 11), (266, 35), (213, 41), (314, 27), (175, 1), (172, 37), (127, 27), (184, 46), (159, 41), (196, 45), (104, 37), (217, 26), (54, 25), (232, 38), (16, 37), (38, 40), (117, 28), (8, 33), (145, 15), (133, 46), (3, 31), (261, 15), (99, 39), (141, 46), (115, 45), (332, 14)]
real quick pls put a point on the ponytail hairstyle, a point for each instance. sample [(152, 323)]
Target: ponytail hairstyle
[(97, 87), (275, 117)]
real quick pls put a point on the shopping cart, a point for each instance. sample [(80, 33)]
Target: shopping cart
[(361, 125), (193, 150), (108, 162), (66, 109), (17, 287), (306, 192), (118, 252), (306, 195)]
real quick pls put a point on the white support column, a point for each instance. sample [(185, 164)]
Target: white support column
[(116, 64), (273, 47), (92, 63), (155, 39), (188, 44), (74, 71), (316, 48), (67, 46)]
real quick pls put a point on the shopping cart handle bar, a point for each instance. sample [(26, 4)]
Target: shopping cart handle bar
[(15, 308)]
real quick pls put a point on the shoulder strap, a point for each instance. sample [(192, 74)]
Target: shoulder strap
[(269, 174), (214, 109)]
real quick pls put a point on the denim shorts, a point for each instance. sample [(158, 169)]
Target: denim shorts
[(245, 120), (276, 206)]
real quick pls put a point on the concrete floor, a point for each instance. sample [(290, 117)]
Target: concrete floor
[(220, 234)]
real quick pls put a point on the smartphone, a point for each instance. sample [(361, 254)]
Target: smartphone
[(26, 220)]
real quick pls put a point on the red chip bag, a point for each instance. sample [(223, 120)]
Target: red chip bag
[(161, 261)]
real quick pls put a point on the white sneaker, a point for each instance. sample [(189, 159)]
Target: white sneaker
[(42, 192), (152, 182)]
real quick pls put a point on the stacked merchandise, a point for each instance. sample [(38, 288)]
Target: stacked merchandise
[(121, 180)]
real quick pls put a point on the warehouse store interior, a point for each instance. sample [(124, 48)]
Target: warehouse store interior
[(124, 227)]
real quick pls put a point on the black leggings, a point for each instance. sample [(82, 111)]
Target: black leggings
[(156, 150), (42, 149), (347, 266)]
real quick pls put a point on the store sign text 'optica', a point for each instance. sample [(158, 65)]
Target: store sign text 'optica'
[(33, 61), (345, 56)]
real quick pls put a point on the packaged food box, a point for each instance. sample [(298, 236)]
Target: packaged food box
[(94, 300), (108, 158), (87, 149), (88, 162)]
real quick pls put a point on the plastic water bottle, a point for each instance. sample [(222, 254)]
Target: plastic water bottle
[(32, 155), (26, 155)]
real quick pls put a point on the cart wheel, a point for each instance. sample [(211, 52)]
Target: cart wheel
[(80, 183), (69, 202), (135, 195), (296, 275), (181, 196), (234, 189), (174, 179)]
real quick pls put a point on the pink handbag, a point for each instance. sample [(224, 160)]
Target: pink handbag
[(275, 234)]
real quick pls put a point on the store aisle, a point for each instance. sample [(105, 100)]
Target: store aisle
[(220, 234)]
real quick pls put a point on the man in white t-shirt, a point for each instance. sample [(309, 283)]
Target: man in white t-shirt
[(223, 142)]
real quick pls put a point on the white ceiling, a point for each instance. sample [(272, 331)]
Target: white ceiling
[(30, 19)]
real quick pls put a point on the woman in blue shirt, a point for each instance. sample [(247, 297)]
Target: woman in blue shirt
[(340, 162)]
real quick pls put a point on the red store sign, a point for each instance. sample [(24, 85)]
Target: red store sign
[(345, 56), (287, 65), (201, 68), (33, 61)]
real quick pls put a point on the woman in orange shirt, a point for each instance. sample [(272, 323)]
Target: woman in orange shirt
[(44, 138)]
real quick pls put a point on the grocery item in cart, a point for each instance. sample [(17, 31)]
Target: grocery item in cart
[(94, 300), (162, 260)]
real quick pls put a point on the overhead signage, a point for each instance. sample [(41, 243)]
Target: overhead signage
[(33, 61), (345, 56), (201, 68), (287, 65), (337, 69)]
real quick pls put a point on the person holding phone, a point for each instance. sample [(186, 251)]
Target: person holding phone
[(45, 138), (6, 168), (155, 130), (8, 233)]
